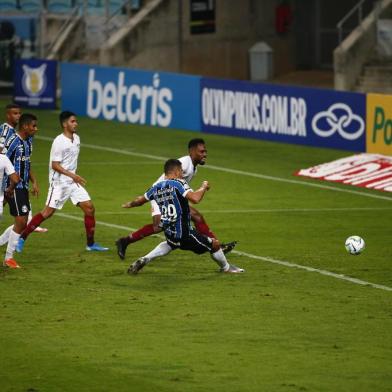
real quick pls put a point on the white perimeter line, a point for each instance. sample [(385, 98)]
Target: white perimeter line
[(268, 259), (233, 171)]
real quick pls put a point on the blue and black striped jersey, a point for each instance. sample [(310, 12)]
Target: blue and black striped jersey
[(6, 131), (175, 214), (19, 152)]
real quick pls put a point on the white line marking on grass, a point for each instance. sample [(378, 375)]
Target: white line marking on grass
[(233, 171), (105, 163), (250, 211), (251, 256), (311, 269)]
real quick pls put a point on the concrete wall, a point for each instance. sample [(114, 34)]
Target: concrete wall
[(163, 43)]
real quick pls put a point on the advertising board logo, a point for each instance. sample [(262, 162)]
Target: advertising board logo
[(340, 119), (379, 124), (146, 104), (34, 80)]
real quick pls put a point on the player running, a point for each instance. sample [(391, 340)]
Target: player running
[(197, 156), (65, 184), (172, 195)]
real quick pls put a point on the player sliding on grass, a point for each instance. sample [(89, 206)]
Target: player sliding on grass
[(197, 156), (65, 184), (172, 195)]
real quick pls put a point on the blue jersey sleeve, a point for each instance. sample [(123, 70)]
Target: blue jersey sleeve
[(183, 187), (149, 195)]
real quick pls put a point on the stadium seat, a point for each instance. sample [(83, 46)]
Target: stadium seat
[(8, 5), (60, 6), (30, 5)]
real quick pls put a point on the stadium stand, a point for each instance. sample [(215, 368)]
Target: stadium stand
[(8, 5), (60, 6), (30, 6)]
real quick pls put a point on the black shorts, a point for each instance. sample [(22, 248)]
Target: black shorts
[(20, 203), (194, 241)]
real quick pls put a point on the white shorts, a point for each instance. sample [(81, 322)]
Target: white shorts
[(155, 208), (59, 193)]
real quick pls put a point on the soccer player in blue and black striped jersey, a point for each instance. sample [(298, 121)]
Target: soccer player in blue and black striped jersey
[(172, 195), (18, 148), (12, 115), (7, 129)]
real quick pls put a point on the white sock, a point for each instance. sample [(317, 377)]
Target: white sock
[(6, 235), (220, 259), (161, 250), (13, 240)]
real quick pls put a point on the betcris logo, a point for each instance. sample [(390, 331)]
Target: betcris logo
[(137, 97), (135, 104), (324, 118)]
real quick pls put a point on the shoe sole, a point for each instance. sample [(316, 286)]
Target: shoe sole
[(120, 254), (135, 268)]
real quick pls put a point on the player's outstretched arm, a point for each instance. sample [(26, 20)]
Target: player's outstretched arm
[(139, 201), (197, 196), (58, 168)]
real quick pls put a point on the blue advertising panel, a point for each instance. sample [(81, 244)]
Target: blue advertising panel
[(35, 83), (316, 117), (134, 96)]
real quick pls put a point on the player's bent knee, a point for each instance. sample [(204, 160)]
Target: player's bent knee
[(215, 245)]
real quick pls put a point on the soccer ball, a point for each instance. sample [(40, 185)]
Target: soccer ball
[(354, 245)]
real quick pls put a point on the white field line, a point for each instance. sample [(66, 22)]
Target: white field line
[(251, 256), (250, 211), (233, 171), (105, 163)]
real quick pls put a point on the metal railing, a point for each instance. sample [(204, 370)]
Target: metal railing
[(66, 24), (357, 8)]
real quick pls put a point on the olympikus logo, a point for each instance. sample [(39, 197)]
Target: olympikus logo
[(135, 104), (253, 112), (340, 119)]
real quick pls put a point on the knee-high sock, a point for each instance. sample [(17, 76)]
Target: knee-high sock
[(6, 235), (89, 224), (220, 258), (138, 235), (160, 250), (13, 240), (34, 223), (204, 229)]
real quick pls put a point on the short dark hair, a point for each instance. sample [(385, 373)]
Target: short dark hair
[(170, 165), (26, 118), (12, 106), (65, 115), (194, 142)]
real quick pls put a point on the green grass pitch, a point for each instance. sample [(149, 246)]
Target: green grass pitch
[(75, 321)]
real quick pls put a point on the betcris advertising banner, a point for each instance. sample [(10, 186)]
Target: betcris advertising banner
[(316, 117), (133, 96), (35, 83)]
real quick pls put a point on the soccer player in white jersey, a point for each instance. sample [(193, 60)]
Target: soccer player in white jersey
[(197, 156), (7, 169), (65, 184), (7, 129)]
